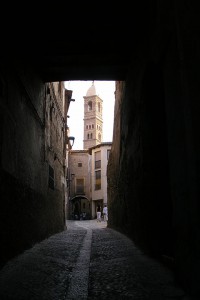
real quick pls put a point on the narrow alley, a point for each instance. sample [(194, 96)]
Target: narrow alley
[(87, 261)]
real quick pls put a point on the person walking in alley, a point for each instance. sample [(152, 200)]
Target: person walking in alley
[(98, 213), (105, 213)]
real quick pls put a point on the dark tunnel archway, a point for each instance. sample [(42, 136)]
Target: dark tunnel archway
[(153, 171)]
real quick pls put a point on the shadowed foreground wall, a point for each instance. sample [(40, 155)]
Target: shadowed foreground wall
[(29, 210), (153, 170)]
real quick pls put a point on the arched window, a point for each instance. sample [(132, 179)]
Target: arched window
[(89, 105), (99, 107), (88, 136), (91, 135), (99, 137)]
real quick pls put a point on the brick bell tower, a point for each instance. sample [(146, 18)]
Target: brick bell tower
[(93, 122)]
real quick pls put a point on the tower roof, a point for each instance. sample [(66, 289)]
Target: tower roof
[(91, 91)]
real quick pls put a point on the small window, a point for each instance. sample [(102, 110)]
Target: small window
[(79, 165), (97, 164), (89, 105)]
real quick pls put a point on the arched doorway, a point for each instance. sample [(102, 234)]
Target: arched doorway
[(81, 208)]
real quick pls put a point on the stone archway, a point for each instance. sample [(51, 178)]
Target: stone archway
[(80, 207)]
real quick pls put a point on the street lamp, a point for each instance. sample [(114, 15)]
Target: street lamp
[(71, 141)]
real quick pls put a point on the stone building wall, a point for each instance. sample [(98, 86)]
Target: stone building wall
[(30, 210), (153, 171), (80, 167)]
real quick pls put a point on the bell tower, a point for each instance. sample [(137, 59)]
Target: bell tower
[(93, 122)]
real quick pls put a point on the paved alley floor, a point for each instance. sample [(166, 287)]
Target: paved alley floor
[(87, 261)]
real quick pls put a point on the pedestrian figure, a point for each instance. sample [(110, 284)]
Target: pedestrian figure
[(105, 213), (84, 215), (98, 213)]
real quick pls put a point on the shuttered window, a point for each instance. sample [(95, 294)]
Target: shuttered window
[(97, 158), (98, 180), (80, 186)]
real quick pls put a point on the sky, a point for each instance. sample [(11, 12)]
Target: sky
[(105, 90)]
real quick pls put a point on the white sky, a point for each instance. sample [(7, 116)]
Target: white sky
[(105, 90)]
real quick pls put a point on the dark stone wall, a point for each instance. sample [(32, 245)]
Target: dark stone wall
[(153, 170), (141, 174), (29, 210)]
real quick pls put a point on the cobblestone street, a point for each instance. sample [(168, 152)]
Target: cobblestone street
[(87, 261)]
